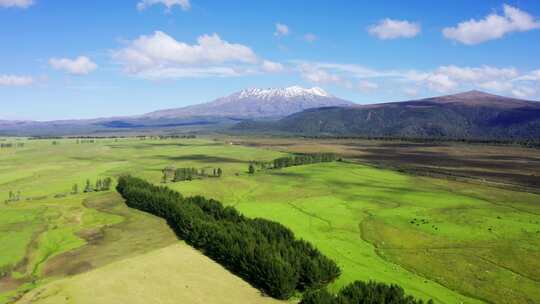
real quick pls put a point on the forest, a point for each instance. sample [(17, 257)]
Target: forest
[(263, 252), (360, 292)]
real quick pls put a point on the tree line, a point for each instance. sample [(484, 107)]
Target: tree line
[(360, 292), (100, 185), (187, 174), (11, 145), (529, 143), (264, 253), (294, 160)]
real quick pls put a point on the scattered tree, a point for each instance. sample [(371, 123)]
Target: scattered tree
[(75, 189), (88, 187)]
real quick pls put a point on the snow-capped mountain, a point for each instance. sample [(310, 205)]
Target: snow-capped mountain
[(258, 103)]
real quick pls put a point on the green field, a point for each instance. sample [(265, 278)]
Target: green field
[(450, 241)]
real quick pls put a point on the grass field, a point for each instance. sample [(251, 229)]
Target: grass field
[(174, 274), (447, 240)]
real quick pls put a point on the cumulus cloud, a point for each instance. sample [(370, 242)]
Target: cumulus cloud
[(496, 85), (523, 92), (16, 81), (16, 3), (271, 67), (393, 29), (443, 79), (440, 82), (531, 76), (159, 55), (492, 27), (281, 30), (184, 4), (81, 65), (317, 75), (310, 37)]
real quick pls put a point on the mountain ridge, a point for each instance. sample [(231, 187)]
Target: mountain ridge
[(257, 103), (472, 115), (313, 111)]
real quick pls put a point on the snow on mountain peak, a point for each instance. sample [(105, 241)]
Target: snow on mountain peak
[(294, 91)]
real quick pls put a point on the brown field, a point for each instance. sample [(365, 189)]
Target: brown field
[(504, 166)]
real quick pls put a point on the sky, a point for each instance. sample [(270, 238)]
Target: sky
[(63, 59)]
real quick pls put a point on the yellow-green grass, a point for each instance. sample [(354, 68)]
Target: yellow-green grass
[(44, 237), (358, 215), (361, 217), (174, 274)]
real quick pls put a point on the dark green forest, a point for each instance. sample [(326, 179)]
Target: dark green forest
[(360, 292), (263, 252)]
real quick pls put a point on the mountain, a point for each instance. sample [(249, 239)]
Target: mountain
[(470, 115), (258, 103), (222, 112)]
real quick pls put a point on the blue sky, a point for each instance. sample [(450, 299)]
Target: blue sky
[(81, 59)]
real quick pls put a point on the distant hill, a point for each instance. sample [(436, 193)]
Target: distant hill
[(258, 103), (218, 114), (470, 115)]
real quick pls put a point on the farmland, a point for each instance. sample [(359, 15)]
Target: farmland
[(449, 240)]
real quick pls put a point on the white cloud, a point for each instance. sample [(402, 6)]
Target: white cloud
[(492, 26), (443, 79), (281, 30), (478, 73), (393, 29), (192, 72), (310, 37), (184, 4), (497, 86), (159, 56), (317, 75), (81, 65), (14, 80), (16, 3), (271, 67), (532, 76), (523, 92), (441, 83), (366, 86)]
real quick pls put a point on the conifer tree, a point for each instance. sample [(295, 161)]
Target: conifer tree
[(107, 184), (99, 185), (88, 187)]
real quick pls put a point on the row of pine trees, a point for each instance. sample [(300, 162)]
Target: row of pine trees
[(263, 252), (295, 160), (100, 185), (188, 174), (360, 292)]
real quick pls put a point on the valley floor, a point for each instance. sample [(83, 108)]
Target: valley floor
[(448, 240)]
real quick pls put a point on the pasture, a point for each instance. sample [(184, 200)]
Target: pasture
[(447, 240)]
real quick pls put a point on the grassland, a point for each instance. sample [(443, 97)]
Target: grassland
[(177, 273), (442, 239)]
